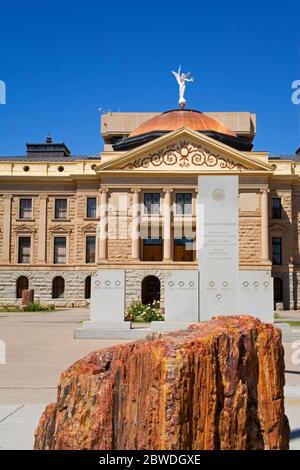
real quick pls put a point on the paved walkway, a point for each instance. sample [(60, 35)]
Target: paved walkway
[(41, 345), (288, 315)]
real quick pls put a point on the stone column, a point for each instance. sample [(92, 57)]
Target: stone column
[(103, 225), (265, 256), (6, 229), (135, 224), (167, 225), (42, 229)]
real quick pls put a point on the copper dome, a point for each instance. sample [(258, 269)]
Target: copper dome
[(175, 119)]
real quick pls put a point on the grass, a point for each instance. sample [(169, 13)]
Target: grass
[(33, 307), (293, 323), (11, 309), (37, 307)]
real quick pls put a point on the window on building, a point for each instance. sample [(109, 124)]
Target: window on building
[(87, 287), (61, 208), (183, 203), (90, 249), (276, 208), (183, 250), (152, 203), (21, 284), (91, 207), (24, 250), (25, 209), (277, 250), (152, 249), (58, 288), (278, 290), (60, 250)]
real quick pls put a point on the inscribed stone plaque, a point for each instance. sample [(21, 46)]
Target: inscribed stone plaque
[(217, 219)]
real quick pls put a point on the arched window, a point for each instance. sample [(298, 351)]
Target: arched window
[(58, 287), (22, 284), (278, 290), (150, 289), (87, 287)]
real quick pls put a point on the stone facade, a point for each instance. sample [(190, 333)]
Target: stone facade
[(134, 279), (118, 180), (41, 282)]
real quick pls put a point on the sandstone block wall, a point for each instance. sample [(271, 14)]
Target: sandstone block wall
[(41, 283)]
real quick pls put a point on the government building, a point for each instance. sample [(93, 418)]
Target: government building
[(133, 207)]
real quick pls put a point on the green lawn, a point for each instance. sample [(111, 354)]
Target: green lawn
[(11, 309)]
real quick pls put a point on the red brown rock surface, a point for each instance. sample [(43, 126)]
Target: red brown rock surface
[(216, 385), (27, 296)]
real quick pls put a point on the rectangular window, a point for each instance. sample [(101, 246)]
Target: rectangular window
[(152, 203), (90, 249), (24, 250), (183, 202), (60, 250), (277, 250), (183, 250), (61, 208), (152, 249), (25, 209), (91, 207), (276, 208)]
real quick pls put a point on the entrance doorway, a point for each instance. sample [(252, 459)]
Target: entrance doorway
[(150, 289), (278, 291)]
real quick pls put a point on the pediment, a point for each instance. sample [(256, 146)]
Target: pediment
[(60, 229), (24, 228), (90, 228), (276, 228), (184, 151)]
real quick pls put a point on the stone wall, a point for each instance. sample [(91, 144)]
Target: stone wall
[(41, 283), (134, 278), (250, 240), (76, 227), (1, 226)]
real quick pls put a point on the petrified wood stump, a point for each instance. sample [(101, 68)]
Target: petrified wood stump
[(216, 385)]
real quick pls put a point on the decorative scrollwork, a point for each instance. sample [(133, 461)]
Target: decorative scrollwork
[(185, 154)]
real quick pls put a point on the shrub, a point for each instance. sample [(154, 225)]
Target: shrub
[(37, 307), (139, 312)]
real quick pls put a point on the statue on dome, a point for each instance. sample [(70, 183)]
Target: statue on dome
[(181, 79)]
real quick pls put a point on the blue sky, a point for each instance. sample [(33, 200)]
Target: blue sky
[(62, 60)]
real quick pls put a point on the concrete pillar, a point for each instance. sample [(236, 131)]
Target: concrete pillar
[(265, 256), (135, 224), (42, 230), (103, 212), (6, 229), (167, 225)]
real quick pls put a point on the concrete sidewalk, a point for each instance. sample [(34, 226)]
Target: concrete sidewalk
[(17, 425), (287, 315), (41, 345)]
